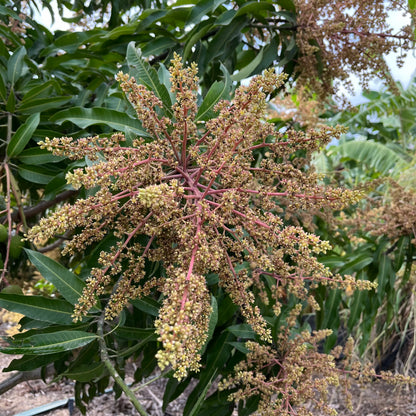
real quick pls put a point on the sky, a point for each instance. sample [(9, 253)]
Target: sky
[(403, 74)]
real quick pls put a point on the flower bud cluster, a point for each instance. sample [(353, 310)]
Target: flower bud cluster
[(183, 323), (211, 199)]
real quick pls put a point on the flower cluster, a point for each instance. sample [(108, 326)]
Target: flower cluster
[(336, 38), (294, 378), (396, 217), (199, 198)]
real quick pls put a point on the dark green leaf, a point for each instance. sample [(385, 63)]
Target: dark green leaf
[(218, 354), (357, 263), (42, 104), (31, 362), (15, 65), (240, 346), (51, 343), (158, 46), (214, 94), (67, 283), (333, 261), (331, 310), (37, 307), (42, 90), (85, 372), (202, 8), (38, 156), (242, 331), (147, 305), (22, 136), (146, 75), (134, 333), (212, 323), (287, 5), (3, 91), (85, 117), (385, 277), (400, 252), (248, 70), (36, 174)]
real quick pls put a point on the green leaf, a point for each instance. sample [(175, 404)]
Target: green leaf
[(15, 65), (31, 362), (256, 8), (3, 91), (412, 4), (218, 45), (218, 355), (357, 263), (194, 36), (146, 75), (218, 91), (11, 101), (287, 5), (203, 8), (134, 333), (42, 90), (50, 343), (385, 277), (332, 261), (212, 323), (85, 117), (37, 307), (38, 156), (242, 331), (68, 284), (205, 111), (42, 104), (331, 310), (85, 372), (375, 155), (401, 251), (147, 305), (194, 411), (6, 11), (148, 17), (158, 46), (240, 346), (36, 174), (22, 136), (357, 305)]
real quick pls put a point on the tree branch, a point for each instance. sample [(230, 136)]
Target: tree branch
[(41, 207), (22, 376)]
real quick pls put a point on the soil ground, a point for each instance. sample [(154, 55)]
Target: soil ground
[(378, 399)]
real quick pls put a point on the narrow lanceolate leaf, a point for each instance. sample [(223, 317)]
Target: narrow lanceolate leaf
[(214, 94), (242, 331), (85, 117), (22, 136), (15, 65), (248, 70), (85, 372), (51, 343), (36, 105), (146, 75), (203, 8), (68, 284), (37, 307), (38, 156), (3, 91), (31, 362), (36, 174)]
